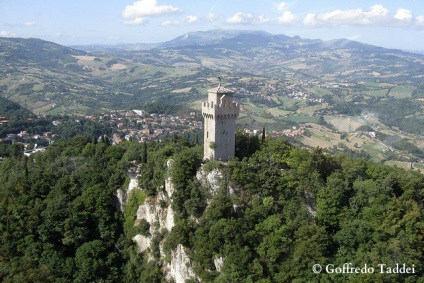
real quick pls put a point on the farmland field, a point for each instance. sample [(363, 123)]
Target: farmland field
[(401, 92)]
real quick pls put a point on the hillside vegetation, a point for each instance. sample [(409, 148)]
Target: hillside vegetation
[(49, 78), (277, 212), (330, 88)]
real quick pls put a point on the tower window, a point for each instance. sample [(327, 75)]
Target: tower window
[(207, 135)]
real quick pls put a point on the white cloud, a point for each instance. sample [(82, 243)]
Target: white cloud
[(22, 25), (240, 18), (212, 16), (281, 6), (404, 15), (377, 14), (287, 18), (186, 21), (5, 33), (30, 24), (168, 23), (246, 18), (190, 19), (261, 20), (310, 19), (146, 8), (419, 21), (136, 21)]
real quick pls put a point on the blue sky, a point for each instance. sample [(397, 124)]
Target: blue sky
[(387, 23)]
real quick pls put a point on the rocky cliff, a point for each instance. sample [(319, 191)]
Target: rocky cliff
[(158, 212)]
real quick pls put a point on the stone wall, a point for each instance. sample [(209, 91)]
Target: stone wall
[(220, 113)]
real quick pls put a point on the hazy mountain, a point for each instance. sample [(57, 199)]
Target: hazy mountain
[(37, 72), (216, 37), (37, 52), (118, 47), (282, 81), (241, 39), (279, 56)]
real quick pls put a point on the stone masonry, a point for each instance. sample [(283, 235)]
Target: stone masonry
[(220, 113)]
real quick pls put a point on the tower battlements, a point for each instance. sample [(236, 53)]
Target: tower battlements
[(220, 113), (232, 109)]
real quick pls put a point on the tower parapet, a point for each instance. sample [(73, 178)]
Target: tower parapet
[(220, 113)]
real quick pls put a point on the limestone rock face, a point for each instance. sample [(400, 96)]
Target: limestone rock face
[(180, 267), (158, 213), (121, 199), (310, 203), (218, 262), (211, 180), (122, 195), (156, 210), (133, 182), (142, 242), (152, 212)]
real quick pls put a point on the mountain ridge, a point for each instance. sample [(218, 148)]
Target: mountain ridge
[(27, 50), (281, 81), (45, 76), (221, 37)]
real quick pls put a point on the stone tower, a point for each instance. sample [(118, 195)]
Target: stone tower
[(220, 113)]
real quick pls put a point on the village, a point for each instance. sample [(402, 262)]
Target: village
[(136, 125)]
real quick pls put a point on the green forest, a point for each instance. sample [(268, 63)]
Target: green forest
[(279, 210)]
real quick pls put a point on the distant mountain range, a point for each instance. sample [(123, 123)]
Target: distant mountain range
[(256, 52), (50, 78), (280, 56), (235, 39), (33, 51)]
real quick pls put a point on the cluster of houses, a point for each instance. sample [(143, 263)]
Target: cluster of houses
[(304, 96), (293, 132), (290, 88), (141, 126), (127, 125), (3, 120), (30, 141)]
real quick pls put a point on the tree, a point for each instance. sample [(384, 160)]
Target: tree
[(91, 262)]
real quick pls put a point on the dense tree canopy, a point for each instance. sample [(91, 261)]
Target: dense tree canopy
[(285, 209), (278, 211)]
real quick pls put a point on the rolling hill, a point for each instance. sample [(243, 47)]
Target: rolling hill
[(281, 81), (49, 78)]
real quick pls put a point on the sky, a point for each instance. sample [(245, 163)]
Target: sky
[(387, 23)]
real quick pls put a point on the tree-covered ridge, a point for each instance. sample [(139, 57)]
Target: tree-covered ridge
[(285, 209), (58, 215), (9, 108), (35, 52), (57, 218), (277, 212)]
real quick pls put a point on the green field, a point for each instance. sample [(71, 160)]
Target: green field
[(56, 110), (377, 92), (401, 92), (375, 149), (319, 91), (303, 119)]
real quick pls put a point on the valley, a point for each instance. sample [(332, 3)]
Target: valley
[(105, 177), (331, 94)]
